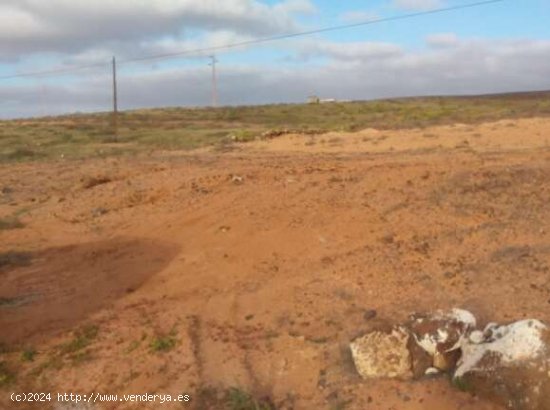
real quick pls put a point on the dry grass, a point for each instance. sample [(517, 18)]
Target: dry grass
[(13, 259), (91, 135), (10, 222)]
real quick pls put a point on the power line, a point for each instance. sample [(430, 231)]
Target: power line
[(55, 71), (256, 41), (306, 33)]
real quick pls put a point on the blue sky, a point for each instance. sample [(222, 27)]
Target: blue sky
[(491, 48), (511, 18)]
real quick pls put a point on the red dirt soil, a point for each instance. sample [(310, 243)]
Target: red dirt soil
[(265, 262)]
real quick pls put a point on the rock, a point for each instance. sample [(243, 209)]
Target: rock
[(510, 365), (382, 354), (237, 180), (438, 338), (426, 345)]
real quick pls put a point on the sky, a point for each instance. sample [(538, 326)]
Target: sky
[(498, 47)]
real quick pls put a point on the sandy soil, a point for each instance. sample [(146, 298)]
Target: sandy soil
[(263, 263)]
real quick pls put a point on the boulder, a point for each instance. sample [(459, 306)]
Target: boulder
[(508, 364), (382, 354), (436, 340)]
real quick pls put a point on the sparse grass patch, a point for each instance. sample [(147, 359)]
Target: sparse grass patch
[(340, 405), (80, 357), (10, 222), (6, 376), (91, 182), (53, 362), (243, 135), (28, 355), (238, 399), (231, 399), (14, 259), (20, 154), (132, 346), (90, 135), (163, 343), (461, 384), (4, 348), (83, 337)]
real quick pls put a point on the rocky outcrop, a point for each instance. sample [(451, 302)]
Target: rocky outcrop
[(508, 364)]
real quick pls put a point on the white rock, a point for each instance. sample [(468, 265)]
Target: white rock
[(519, 341), (476, 337)]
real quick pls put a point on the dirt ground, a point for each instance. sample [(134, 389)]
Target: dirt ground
[(255, 268)]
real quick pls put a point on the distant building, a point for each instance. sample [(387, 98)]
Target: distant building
[(313, 99)]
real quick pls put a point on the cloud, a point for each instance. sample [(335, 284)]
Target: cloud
[(296, 6), (418, 4), (74, 26), (351, 51), (346, 71), (442, 40), (162, 46)]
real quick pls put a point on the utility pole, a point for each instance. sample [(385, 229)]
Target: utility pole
[(213, 63), (115, 102)]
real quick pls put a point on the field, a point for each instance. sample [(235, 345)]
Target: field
[(85, 135), (232, 254)]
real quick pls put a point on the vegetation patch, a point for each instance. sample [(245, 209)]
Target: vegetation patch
[(28, 355), (237, 399), (10, 222), (90, 135), (6, 376), (82, 338), (461, 384), (95, 181), (163, 343), (231, 399), (13, 259)]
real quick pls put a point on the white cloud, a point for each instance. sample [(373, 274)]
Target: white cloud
[(442, 40), (296, 6), (418, 4), (71, 26), (16, 23), (162, 46), (351, 51), (352, 71)]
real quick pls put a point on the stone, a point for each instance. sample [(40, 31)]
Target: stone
[(237, 179), (510, 366), (438, 339), (382, 354)]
